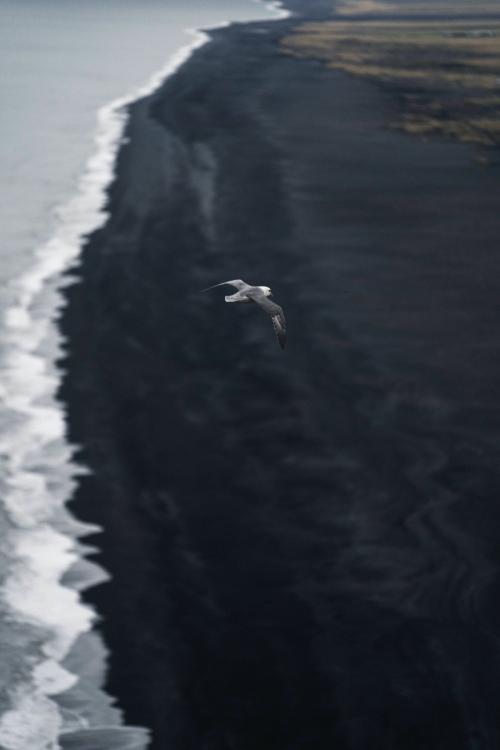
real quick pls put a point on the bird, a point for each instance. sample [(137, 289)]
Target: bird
[(260, 295)]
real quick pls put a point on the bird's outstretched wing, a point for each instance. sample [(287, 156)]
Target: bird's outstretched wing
[(274, 310), (237, 283)]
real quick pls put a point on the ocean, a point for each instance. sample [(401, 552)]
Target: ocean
[(69, 69)]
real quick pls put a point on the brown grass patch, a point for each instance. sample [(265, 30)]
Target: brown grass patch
[(353, 8), (446, 74), (359, 7)]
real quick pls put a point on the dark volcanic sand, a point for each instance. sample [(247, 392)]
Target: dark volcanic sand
[(304, 545)]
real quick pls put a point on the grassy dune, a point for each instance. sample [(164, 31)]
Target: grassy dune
[(417, 7), (446, 74)]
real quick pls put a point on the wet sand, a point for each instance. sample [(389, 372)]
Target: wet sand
[(303, 544)]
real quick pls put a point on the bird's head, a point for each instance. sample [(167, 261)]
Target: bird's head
[(267, 291)]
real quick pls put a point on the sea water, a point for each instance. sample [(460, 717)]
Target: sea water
[(68, 70)]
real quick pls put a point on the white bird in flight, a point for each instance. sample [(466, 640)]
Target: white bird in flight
[(260, 295)]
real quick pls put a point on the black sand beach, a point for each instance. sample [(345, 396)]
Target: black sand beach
[(304, 545)]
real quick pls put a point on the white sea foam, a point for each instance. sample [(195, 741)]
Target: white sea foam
[(39, 471), (35, 722), (276, 8), (34, 592)]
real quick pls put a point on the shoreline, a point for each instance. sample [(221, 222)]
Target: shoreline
[(227, 619), (110, 138)]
